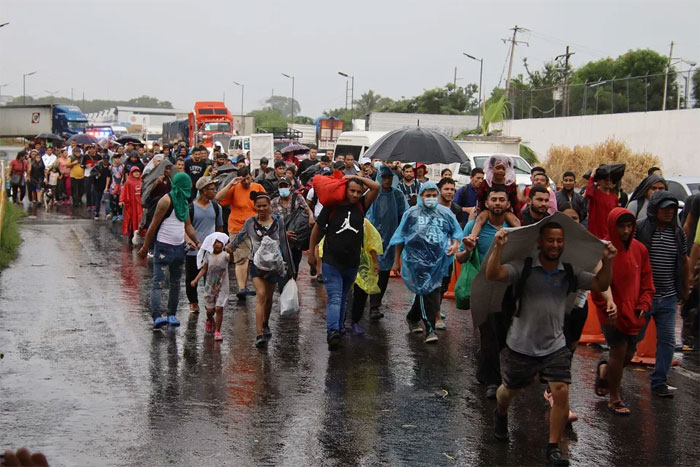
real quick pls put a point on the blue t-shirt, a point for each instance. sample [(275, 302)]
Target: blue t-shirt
[(205, 222), (466, 196), (488, 231)]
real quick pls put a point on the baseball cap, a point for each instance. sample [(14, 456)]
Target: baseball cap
[(240, 158), (204, 181), (284, 181), (365, 160), (668, 202)]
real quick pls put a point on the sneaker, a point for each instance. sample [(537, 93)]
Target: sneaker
[(260, 341), (662, 390), (241, 295), (375, 314), (555, 457), (443, 315), (250, 292), (217, 336), (431, 338), (149, 255), (159, 322), (109, 217), (500, 427), (441, 326), (172, 320), (414, 326), (97, 217), (357, 329), (491, 391), (209, 325), (333, 340), (319, 278), (266, 331)]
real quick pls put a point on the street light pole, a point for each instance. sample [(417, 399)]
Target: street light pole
[(352, 94), (292, 103), (2, 86), (242, 91), (481, 74), (24, 86)]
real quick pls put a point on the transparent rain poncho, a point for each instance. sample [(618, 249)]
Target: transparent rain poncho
[(426, 235), (367, 279)]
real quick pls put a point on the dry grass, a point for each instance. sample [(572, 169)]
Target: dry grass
[(582, 158)]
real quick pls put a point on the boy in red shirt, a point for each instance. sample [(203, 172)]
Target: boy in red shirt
[(601, 200)]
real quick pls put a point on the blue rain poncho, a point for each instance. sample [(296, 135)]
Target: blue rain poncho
[(385, 215), (426, 235)]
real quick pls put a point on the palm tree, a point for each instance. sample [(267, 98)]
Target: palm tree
[(369, 102)]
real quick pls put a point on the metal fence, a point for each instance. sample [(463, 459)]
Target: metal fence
[(604, 96)]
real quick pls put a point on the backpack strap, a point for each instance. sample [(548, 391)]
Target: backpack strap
[(571, 278), (520, 285)]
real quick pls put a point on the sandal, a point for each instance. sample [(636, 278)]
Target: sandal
[(618, 408), (600, 383)]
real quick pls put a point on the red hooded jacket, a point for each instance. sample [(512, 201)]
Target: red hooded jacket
[(632, 283), (131, 197)]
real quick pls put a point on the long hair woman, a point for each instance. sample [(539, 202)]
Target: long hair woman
[(262, 225)]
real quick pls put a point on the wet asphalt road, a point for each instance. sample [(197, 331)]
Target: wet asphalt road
[(85, 380)]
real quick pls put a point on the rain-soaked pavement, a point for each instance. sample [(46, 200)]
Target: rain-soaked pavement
[(85, 380)]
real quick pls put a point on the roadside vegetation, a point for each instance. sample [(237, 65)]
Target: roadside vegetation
[(579, 159), (10, 238)]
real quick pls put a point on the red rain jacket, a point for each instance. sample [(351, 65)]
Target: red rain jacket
[(131, 197), (632, 283)]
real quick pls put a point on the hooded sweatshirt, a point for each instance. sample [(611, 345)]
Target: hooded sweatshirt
[(638, 202), (131, 197), (632, 283)]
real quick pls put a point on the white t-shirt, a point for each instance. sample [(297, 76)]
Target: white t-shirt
[(318, 207)]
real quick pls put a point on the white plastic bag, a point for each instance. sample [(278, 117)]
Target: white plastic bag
[(289, 298), (269, 257)]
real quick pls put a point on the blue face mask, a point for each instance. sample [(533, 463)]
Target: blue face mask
[(377, 165), (285, 192), (430, 203)]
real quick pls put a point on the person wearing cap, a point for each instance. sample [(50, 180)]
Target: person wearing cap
[(308, 162), (284, 205), (133, 161), (666, 243), (220, 160), (601, 200), (259, 173), (241, 161), (206, 217), (367, 168), (101, 176)]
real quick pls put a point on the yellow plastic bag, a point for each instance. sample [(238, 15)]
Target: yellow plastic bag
[(367, 278)]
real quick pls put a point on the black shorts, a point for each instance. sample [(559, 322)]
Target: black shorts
[(614, 338), (573, 324), (519, 369)]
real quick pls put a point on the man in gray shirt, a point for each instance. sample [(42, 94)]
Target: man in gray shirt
[(536, 342)]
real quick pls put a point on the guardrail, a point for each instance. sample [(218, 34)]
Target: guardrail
[(3, 194)]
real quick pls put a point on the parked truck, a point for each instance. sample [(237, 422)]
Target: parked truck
[(29, 120), (207, 120)]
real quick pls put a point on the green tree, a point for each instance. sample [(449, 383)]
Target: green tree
[(696, 88), (95, 105), (282, 105), (269, 118), (447, 100), (370, 102)]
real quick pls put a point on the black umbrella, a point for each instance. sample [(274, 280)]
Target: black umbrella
[(417, 145), (50, 136), (83, 138), (129, 139)]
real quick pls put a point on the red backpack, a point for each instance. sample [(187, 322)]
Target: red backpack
[(330, 190)]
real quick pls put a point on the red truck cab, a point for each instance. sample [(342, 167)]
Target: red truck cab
[(209, 118)]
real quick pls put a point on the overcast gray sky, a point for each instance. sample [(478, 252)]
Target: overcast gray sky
[(184, 51)]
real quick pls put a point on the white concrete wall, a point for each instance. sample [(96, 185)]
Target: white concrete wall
[(673, 135)]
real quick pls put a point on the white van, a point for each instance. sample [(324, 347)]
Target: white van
[(356, 142), (461, 173)]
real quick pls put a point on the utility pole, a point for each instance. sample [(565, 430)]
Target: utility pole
[(455, 81), (565, 101), (668, 65), (513, 43)]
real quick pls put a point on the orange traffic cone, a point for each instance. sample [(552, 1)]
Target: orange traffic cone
[(646, 348), (591, 333), (453, 281)]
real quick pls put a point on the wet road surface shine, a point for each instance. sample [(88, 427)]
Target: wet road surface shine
[(86, 381)]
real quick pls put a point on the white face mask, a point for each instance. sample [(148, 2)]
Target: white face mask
[(430, 203), (284, 192), (377, 165)]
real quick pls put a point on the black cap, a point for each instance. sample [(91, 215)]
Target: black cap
[(240, 158), (284, 181)]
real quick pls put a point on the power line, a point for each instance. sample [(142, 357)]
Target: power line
[(579, 47)]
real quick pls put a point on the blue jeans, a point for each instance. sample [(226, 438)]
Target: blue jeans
[(663, 310), (338, 283), (170, 258)]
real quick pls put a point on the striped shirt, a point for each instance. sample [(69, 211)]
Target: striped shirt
[(663, 257)]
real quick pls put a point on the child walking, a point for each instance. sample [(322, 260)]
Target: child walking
[(214, 262), (52, 180), (499, 171)]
